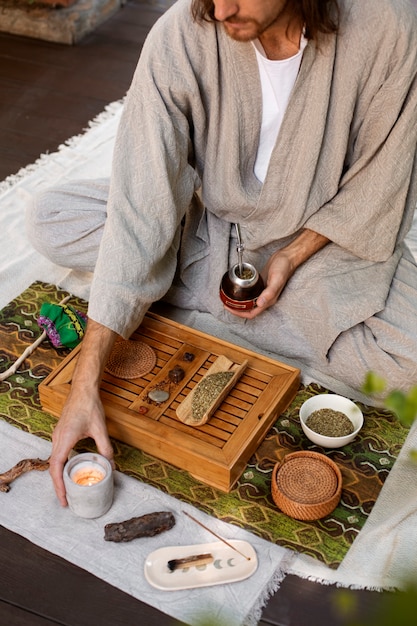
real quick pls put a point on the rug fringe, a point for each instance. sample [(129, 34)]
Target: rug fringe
[(254, 616), (108, 112), (341, 585)]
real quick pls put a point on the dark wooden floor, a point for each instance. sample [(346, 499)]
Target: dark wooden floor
[(48, 93), (40, 589)]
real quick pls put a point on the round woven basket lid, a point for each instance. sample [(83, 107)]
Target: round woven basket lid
[(130, 359), (307, 480), (306, 485)]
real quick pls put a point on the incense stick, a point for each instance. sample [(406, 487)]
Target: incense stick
[(217, 536)]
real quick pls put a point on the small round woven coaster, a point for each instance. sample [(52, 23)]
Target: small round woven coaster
[(306, 485), (130, 359)]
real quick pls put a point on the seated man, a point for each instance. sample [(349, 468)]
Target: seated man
[(296, 119)]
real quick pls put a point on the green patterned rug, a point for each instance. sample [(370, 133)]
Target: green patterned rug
[(365, 464)]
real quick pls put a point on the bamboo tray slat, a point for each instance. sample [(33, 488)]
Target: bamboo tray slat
[(216, 452)]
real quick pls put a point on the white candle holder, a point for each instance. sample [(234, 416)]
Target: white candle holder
[(88, 480)]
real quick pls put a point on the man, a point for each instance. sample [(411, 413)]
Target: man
[(295, 119)]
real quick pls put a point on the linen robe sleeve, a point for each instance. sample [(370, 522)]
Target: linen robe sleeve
[(374, 206), (153, 182)]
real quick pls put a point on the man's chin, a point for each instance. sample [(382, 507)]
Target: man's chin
[(240, 32)]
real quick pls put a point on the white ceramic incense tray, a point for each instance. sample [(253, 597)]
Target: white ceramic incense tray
[(228, 566)]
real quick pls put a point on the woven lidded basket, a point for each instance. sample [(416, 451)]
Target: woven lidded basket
[(306, 485)]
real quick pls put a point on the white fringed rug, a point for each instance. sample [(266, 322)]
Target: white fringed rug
[(385, 548)]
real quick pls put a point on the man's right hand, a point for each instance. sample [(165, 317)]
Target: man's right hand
[(83, 413), (82, 416)]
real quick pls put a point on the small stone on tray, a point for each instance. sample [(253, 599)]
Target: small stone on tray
[(176, 374), (158, 395)]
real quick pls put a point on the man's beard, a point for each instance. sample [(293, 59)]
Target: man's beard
[(245, 30), (248, 29)]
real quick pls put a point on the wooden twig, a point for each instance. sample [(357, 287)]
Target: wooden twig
[(13, 368), (20, 468)]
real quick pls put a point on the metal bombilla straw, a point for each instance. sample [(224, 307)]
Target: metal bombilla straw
[(242, 283), (239, 247)]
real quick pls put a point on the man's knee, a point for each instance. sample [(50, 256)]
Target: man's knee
[(65, 224), (38, 224)]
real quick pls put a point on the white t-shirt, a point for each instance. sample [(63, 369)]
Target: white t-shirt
[(277, 81)]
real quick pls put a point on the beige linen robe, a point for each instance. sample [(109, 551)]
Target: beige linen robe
[(343, 165)]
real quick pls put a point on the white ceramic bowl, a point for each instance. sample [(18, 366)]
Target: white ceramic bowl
[(337, 403)]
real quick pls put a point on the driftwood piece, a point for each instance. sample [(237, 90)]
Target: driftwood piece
[(144, 526), (26, 465)]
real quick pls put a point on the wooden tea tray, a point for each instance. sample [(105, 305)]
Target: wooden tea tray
[(217, 452)]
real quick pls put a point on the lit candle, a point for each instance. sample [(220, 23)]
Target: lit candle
[(87, 473), (88, 480)]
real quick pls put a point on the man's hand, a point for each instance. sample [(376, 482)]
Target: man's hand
[(280, 267), (83, 414)]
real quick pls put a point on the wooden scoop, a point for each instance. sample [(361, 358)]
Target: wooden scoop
[(221, 364)]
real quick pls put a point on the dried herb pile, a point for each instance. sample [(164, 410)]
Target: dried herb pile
[(207, 391), (330, 423)]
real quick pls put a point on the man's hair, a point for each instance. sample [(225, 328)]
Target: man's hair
[(318, 16)]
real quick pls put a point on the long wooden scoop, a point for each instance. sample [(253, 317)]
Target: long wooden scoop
[(186, 410)]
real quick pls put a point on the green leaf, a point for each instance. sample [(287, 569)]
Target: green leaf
[(374, 384), (413, 455), (403, 405)]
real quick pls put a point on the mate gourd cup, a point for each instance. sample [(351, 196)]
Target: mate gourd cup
[(241, 292)]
